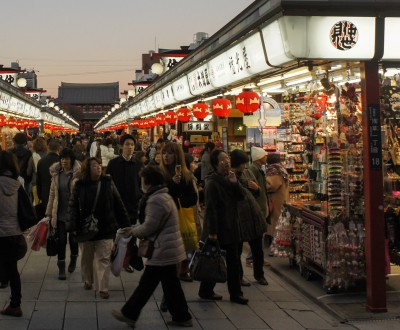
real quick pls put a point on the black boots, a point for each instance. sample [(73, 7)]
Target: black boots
[(72, 263), (61, 270)]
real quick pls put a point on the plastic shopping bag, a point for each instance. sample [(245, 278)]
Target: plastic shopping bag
[(37, 235), (118, 254)]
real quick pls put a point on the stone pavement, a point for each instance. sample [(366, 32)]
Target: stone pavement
[(52, 304)]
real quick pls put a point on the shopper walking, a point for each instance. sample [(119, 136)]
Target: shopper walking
[(43, 177), (278, 188), (158, 222), (111, 215), (64, 175), (253, 225), (39, 151), (107, 152), (12, 243), (180, 185), (206, 168), (221, 222)]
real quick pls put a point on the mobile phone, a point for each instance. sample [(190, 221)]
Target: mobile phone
[(178, 169)]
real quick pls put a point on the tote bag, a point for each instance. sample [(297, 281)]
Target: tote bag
[(187, 227)]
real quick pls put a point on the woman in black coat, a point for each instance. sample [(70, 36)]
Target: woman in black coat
[(111, 215), (221, 222)]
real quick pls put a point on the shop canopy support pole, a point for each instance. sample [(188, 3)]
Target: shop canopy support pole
[(373, 190)]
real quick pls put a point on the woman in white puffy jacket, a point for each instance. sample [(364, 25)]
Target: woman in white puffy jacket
[(107, 152)]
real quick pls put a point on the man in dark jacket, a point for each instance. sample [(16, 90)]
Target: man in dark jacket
[(24, 157), (43, 179), (124, 171)]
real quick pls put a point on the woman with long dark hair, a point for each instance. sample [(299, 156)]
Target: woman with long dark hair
[(64, 175), (111, 215), (12, 243)]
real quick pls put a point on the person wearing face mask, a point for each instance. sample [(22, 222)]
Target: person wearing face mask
[(111, 215), (64, 175), (158, 221), (221, 222)]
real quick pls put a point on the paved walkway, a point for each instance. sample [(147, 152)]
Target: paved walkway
[(52, 304)]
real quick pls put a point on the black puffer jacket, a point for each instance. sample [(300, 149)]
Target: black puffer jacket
[(25, 161), (110, 210)]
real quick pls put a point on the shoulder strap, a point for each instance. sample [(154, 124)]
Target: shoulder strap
[(97, 196)]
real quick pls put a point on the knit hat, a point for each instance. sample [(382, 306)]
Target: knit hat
[(257, 153)]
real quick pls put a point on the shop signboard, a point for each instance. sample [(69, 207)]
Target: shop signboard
[(199, 80), (13, 106), (374, 127), (170, 60), (333, 37), (198, 126), (272, 112), (10, 78), (4, 100), (392, 45), (181, 89), (167, 95), (240, 61), (151, 104), (252, 120)]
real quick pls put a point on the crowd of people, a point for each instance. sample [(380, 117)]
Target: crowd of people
[(137, 190)]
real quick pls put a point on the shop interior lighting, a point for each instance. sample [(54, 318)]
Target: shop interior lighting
[(335, 67), (337, 78), (269, 80), (295, 73), (272, 88), (298, 81), (391, 72)]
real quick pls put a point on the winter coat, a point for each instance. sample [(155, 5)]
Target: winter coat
[(80, 152), (9, 225), (36, 156), (161, 211), (184, 193), (110, 210), (252, 222), (221, 215), (106, 155), (43, 177), (261, 199), (125, 175), (206, 168), (278, 189), (25, 161), (55, 169)]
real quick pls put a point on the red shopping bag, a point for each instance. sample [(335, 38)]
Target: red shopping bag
[(40, 238)]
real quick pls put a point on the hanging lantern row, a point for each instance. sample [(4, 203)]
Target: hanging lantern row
[(18, 123), (52, 127), (200, 110), (184, 115)]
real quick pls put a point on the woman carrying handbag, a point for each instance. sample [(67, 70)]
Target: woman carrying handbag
[(64, 175), (109, 211)]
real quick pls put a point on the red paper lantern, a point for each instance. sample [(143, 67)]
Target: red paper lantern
[(160, 119), (125, 125), (248, 102), (221, 107), (25, 123), (200, 110), (184, 115), (152, 122), (11, 122), (135, 123), (3, 120), (171, 117), (146, 123)]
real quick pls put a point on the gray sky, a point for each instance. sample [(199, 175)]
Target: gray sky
[(70, 40)]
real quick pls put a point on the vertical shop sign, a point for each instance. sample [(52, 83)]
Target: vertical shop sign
[(375, 136)]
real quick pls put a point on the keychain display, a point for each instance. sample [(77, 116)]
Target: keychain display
[(282, 243)]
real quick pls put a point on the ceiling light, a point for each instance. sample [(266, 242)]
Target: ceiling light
[(298, 81)]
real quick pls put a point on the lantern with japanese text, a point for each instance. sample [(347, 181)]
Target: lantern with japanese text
[(152, 122), (200, 110), (184, 115), (3, 120), (221, 107), (170, 117), (248, 102), (160, 119)]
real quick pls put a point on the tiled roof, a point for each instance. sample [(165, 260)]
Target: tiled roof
[(71, 93)]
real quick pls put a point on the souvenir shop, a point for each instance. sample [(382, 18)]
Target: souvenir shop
[(307, 80)]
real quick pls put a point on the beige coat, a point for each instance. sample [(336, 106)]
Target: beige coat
[(278, 191), (52, 205)]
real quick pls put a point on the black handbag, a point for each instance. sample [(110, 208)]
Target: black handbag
[(146, 246), (89, 226), (135, 260), (26, 212), (52, 243), (209, 264)]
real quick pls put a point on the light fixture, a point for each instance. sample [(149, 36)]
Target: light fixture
[(157, 68), (299, 81), (352, 81), (269, 80), (122, 100), (131, 93), (51, 104), (61, 111), (21, 82), (116, 106), (57, 108), (295, 73), (272, 88)]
